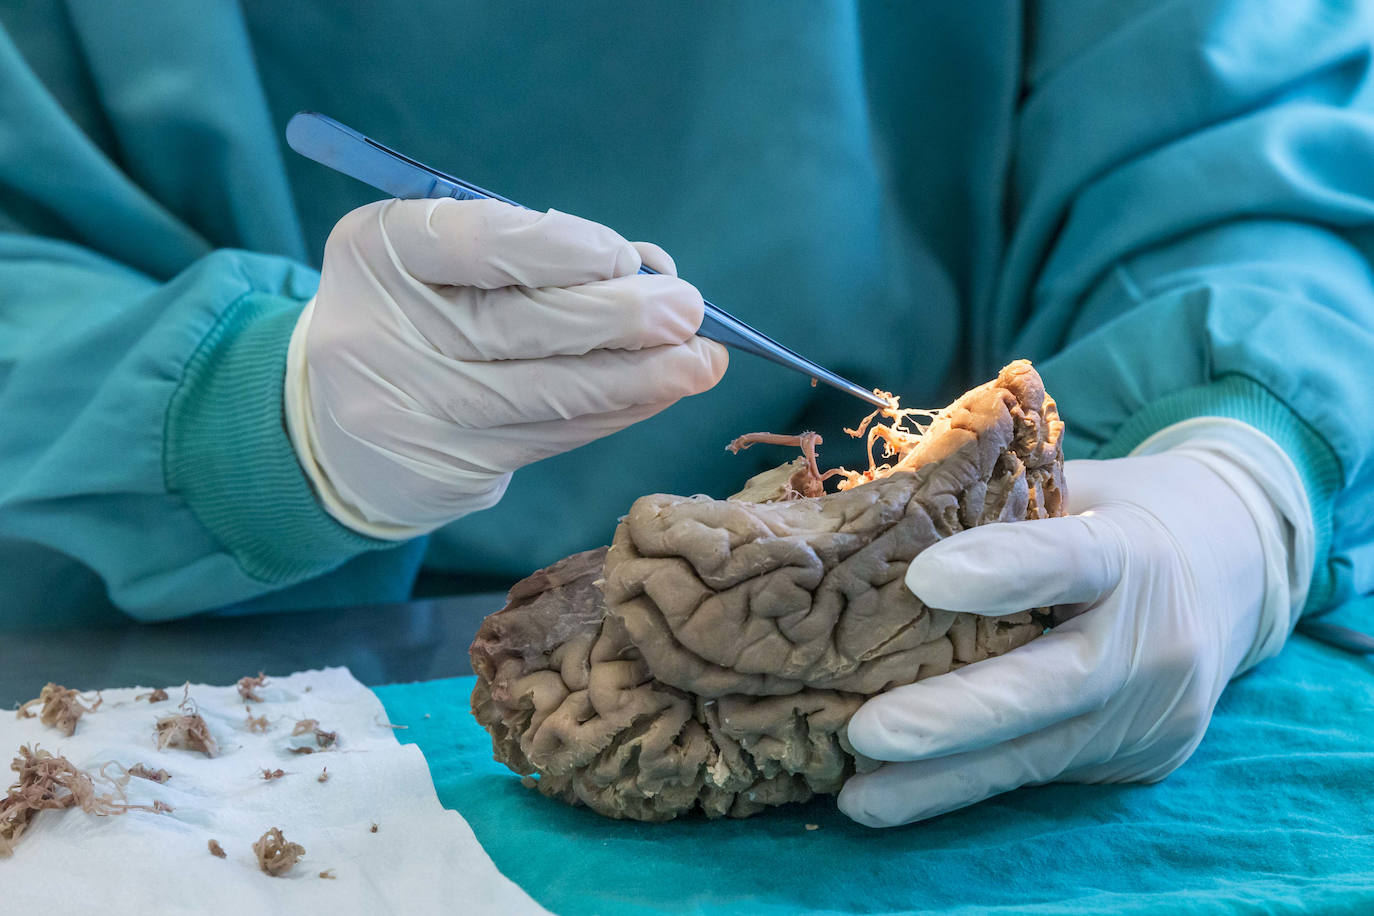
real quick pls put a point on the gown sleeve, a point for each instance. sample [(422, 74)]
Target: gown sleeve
[(1191, 209), (144, 463)]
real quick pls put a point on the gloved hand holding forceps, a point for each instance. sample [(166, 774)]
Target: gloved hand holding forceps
[(452, 342)]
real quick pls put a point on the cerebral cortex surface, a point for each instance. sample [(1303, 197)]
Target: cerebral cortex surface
[(711, 657)]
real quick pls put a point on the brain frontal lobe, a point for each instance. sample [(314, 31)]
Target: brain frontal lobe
[(711, 656)]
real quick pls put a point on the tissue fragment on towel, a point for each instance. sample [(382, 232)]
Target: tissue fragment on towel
[(187, 730), (258, 725), (156, 696), (143, 772), (322, 737), (275, 854), (47, 782), (248, 687), (61, 708), (217, 850)]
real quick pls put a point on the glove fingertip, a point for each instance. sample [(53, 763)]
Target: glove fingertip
[(860, 728), (881, 730), (702, 364), (655, 258), (891, 796), (953, 581), (627, 261), (857, 803), (718, 358)]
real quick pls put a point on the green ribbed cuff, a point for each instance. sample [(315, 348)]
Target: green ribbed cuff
[(1240, 398), (228, 455)]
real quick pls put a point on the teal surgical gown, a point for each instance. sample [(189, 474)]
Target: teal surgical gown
[(1166, 205)]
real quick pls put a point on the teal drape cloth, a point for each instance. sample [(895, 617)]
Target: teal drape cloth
[(1272, 815)]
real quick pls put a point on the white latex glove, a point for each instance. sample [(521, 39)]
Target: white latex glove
[(1189, 566), (452, 342)]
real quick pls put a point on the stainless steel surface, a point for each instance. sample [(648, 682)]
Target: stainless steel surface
[(380, 644), (343, 149)]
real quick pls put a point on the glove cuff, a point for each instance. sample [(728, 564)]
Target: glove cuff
[(300, 426), (1241, 398), (1267, 482)]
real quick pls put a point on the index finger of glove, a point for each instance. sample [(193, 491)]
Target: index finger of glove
[(483, 395), (489, 244), (627, 313), (1011, 566), (1072, 670)]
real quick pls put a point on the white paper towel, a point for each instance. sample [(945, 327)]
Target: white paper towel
[(421, 860)]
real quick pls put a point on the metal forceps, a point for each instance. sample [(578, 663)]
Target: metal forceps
[(345, 150)]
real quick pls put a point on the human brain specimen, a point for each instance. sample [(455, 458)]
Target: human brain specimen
[(711, 656)]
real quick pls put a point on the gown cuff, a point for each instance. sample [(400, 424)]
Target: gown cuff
[(228, 455)]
